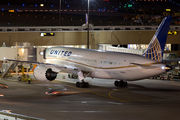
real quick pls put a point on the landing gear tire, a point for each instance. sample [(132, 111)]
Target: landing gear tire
[(120, 83), (77, 84), (69, 76), (116, 83), (125, 84), (86, 84), (82, 84)]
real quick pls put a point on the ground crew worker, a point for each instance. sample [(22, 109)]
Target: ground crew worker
[(29, 79)]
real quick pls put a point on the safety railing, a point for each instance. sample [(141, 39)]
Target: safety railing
[(79, 28)]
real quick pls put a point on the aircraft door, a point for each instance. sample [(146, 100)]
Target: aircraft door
[(129, 68), (100, 63), (129, 72)]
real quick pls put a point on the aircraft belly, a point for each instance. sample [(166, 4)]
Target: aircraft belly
[(100, 73), (110, 74)]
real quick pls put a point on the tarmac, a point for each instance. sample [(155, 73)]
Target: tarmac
[(146, 99)]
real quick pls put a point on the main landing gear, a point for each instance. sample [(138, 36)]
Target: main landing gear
[(82, 84), (120, 83)]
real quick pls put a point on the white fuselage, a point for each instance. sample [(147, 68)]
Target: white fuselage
[(108, 65)]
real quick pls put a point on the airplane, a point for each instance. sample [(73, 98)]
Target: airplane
[(104, 64)]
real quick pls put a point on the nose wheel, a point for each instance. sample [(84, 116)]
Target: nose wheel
[(120, 83)]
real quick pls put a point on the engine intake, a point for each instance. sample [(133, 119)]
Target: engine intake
[(50, 75), (43, 73)]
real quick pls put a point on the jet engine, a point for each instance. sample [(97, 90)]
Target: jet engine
[(44, 73)]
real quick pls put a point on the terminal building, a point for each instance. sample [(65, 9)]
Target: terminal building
[(108, 38), (30, 27)]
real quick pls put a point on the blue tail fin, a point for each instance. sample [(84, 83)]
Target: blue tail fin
[(156, 46)]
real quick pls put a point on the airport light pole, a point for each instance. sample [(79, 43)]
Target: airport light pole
[(59, 12), (88, 28)]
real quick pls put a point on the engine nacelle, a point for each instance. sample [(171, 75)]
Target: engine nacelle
[(43, 73)]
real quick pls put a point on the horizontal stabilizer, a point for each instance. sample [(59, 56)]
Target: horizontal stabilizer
[(175, 65), (172, 60)]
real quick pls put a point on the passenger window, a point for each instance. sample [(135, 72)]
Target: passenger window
[(106, 62), (114, 63)]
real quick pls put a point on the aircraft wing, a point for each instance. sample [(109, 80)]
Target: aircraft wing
[(25, 61), (60, 67), (34, 62), (47, 64)]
